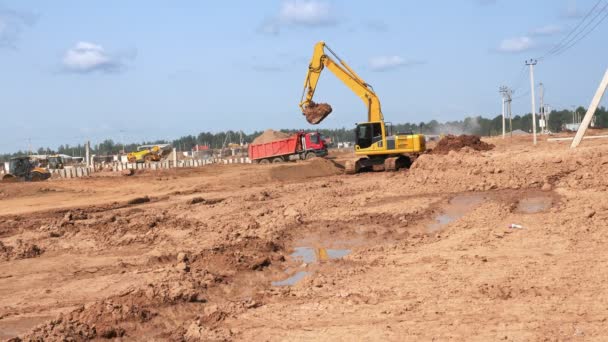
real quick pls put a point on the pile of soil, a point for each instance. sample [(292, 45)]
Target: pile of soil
[(455, 143), (316, 112), (317, 167), (270, 135)]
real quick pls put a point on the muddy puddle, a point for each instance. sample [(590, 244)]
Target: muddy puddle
[(305, 256), (532, 205), (456, 208)]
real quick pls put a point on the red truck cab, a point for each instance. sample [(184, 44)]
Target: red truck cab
[(299, 146)]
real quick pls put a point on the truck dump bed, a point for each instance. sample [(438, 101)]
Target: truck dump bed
[(274, 148)]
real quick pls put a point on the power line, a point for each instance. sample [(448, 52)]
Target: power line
[(567, 39), (522, 75), (522, 95), (559, 52)]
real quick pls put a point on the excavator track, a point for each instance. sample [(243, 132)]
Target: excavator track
[(350, 167), (390, 164)]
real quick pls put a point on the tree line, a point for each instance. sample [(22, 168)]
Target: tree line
[(476, 125)]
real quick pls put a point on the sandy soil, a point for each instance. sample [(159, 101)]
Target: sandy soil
[(301, 252)]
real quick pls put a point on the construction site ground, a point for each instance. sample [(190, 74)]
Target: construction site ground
[(300, 251)]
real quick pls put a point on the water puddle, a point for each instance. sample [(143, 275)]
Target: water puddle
[(457, 207), (291, 280), (306, 256), (532, 205), (309, 255)]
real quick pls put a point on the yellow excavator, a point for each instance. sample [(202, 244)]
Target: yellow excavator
[(376, 145)]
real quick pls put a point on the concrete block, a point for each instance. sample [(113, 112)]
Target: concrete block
[(78, 172)]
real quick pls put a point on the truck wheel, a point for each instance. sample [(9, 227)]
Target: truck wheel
[(277, 160), (310, 155), (264, 161), (8, 178)]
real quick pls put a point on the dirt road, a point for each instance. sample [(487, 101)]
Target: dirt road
[(302, 252)]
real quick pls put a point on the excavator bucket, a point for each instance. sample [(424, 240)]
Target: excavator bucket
[(316, 112)]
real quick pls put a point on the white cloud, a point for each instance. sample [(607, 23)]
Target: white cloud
[(309, 13), (305, 12), (546, 30), (87, 57), (517, 44), (384, 63)]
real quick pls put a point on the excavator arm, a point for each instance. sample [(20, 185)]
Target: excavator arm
[(344, 73)]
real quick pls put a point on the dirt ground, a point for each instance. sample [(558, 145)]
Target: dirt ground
[(300, 251)]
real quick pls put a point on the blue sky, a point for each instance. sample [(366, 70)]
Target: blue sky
[(134, 70)]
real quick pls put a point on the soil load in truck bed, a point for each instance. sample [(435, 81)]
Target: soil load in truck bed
[(316, 112), (270, 135), (455, 143)]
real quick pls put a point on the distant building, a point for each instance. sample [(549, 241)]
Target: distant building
[(200, 148), (571, 127)]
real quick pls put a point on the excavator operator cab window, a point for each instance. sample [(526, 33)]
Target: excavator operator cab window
[(368, 133)]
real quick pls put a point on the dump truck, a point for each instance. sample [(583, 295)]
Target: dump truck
[(299, 146)]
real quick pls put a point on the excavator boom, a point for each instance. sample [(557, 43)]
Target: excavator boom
[(343, 72)]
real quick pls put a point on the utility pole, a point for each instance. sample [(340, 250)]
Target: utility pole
[(509, 100), (573, 114), (531, 63), (503, 90), (542, 108), (547, 115), (597, 98)]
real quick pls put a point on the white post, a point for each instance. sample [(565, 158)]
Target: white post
[(503, 117), (174, 157), (532, 63), (87, 153), (597, 98)]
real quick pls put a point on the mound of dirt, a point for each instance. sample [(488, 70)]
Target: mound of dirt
[(316, 112), (23, 250), (455, 143), (270, 135), (317, 167)]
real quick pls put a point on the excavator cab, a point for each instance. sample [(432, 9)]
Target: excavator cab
[(367, 134)]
